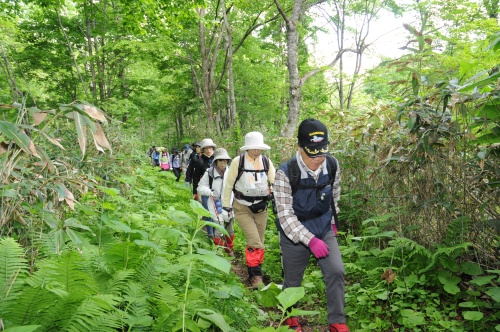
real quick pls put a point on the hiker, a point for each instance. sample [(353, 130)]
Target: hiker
[(150, 152), (188, 177), (185, 155), (164, 161), (175, 163), (306, 191), (211, 186), (156, 157), (249, 176), (197, 168)]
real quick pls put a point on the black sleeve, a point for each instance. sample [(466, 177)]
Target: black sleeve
[(189, 172)]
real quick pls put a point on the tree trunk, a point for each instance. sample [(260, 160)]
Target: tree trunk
[(292, 37), (230, 76)]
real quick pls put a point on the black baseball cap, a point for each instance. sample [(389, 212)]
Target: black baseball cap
[(313, 137)]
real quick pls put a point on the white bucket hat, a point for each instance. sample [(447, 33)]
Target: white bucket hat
[(206, 142), (221, 154), (254, 140)]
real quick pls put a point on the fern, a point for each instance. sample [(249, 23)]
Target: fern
[(13, 267), (118, 283), (84, 318), (456, 230)]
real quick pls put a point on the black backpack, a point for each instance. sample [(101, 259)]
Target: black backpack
[(294, 178)]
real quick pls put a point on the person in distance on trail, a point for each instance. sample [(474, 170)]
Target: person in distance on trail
[(306, 191), (249, 178), (211, 186), (188, 177), (175, 163), (185, 155), (156, 156), (164, 161), (198, 167)]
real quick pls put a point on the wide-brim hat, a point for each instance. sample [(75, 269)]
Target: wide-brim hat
[(197, 144), (187, 146), (207, 142), (175, 150), (254, 140), (313, 138), (221, 154)]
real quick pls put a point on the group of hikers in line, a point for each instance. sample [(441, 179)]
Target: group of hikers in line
[(304, 190), (175, 161)]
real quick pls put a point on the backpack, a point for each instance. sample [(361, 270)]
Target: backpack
[(294, 178), (241, 169)]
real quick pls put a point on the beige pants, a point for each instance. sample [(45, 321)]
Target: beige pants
[(252, 225)]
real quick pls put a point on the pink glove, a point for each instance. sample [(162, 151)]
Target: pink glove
[(318, 248)]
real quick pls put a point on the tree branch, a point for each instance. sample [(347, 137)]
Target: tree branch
[(331, 64), (281, 11)]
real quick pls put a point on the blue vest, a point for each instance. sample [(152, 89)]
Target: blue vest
[(313, 207)]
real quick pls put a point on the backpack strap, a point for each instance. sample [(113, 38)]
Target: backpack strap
[(210, 177), (294, 179), (241, 168)]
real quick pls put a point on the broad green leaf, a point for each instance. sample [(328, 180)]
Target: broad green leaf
[(22, 140), (74, 238), (269, 295), (481, 281), (472, 315), (290, 296), (216, 319), (299, 312), (189, 324), (452, 289), (472, 269), (181, 216), (467, 305), (217, 262), (169, 234), (494, 292), (117, 226)]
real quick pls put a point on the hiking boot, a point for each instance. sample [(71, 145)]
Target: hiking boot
[(256, 280), (340, 327), (293, 324)]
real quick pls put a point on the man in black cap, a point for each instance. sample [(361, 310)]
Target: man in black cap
[(306, 190)]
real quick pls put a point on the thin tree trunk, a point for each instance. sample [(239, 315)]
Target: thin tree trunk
[(292, 36), (229, 59), (88, 17)]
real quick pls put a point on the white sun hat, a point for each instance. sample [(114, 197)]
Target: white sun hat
[(254, 140), (206, 142)]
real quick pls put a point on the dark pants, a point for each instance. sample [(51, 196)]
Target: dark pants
[(295, 258), (210, 229), (177, 173)]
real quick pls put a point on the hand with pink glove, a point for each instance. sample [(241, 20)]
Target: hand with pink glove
[(318, 248)]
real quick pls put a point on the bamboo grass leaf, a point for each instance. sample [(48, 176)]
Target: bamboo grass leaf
[(22, 140)]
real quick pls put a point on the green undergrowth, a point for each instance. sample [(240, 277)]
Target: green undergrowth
[(132, 256)]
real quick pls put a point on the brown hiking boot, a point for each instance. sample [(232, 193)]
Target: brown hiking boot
[(293, 324), (256, 280)]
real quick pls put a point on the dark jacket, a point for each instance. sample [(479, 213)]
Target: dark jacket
[(197, 167)]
